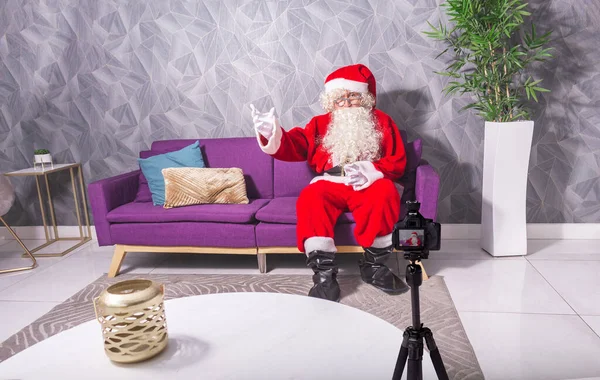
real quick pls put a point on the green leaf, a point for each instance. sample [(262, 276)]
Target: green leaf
[(535, 82), (543, 53), (438, 34), (520, 7), (540, 89), (534, 95), (546, 36), (442, 53), (476, 106), (447, 74)]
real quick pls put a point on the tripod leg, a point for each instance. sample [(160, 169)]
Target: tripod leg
[(436, 358), (415, 356), (401, 358), (415, 369)]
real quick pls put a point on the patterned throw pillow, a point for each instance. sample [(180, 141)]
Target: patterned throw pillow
[(192, 186)]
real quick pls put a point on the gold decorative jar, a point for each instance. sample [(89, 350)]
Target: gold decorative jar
[(132, 316)]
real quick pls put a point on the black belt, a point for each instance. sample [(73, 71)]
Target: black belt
[(336, 171)]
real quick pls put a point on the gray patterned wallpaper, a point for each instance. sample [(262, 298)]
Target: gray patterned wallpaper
[(97, 81)]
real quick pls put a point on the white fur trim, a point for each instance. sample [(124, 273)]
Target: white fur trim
[(330, 178), (368, 169), (320, 243), (274, 142), (346, 84), (382, 241)]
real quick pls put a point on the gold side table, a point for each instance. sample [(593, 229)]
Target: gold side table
[(85, 231)]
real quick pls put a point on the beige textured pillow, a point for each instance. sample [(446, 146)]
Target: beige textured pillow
[(192, 186)]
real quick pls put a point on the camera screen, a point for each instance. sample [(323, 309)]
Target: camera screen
[(411, 238)]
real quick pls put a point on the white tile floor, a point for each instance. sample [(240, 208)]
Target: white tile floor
[(533, 317)]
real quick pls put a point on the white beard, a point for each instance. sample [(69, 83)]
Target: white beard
[(352, 136)]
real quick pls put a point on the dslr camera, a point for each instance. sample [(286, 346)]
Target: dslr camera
[(415, 234)]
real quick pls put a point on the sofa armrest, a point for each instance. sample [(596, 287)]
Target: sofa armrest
[(108, 194), (427, 188)]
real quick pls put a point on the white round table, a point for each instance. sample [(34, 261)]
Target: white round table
[(233, 336)]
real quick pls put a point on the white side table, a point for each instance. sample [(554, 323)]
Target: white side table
[(241, 336), (85, 232)]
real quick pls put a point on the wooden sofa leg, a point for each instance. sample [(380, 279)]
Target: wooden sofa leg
[(117, 260), (262, 262)]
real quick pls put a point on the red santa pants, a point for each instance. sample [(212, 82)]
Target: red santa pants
[(375, 209)]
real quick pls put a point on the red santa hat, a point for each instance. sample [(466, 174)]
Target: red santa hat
[(355, 78)]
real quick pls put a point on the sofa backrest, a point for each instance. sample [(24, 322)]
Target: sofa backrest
[(291, 177), (238, 152)]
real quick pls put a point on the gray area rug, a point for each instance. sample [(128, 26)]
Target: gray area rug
[(437, 310)]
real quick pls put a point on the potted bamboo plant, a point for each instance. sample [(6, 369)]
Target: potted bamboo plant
[(490, 53)]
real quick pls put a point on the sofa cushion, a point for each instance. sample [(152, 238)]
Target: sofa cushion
[(284, 235), (283, 210), (143, 193), (186, 234), (146, 212), (414, 150)]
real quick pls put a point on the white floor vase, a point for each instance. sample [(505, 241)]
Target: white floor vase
[(507, 147)]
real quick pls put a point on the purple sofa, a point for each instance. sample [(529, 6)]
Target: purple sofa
[(125, 217)]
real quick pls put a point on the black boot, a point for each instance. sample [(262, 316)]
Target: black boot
[(374, 271), (326, 285)]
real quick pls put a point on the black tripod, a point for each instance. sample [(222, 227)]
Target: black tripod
[(412, 344)]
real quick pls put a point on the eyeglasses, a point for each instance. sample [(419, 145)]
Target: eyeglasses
[(354, 100)]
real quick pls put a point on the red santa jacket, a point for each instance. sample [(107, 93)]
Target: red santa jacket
[(301, 144)]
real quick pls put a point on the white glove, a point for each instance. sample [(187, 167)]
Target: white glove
[(264, 123), (356, 178)]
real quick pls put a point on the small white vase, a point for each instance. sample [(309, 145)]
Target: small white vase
[(43, 158), (507, 147)]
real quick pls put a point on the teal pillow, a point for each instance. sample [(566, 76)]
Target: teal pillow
[(152, 167)]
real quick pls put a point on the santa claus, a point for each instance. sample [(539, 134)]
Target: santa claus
[(413, 240), (357, 153)]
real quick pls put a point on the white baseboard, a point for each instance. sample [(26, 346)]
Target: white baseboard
[(557, 231), (37, 232), (535, 231)]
